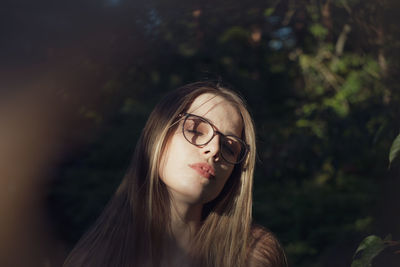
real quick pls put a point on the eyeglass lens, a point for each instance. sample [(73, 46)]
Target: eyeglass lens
[(200, 132)]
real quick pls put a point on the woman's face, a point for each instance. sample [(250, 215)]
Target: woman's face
[(197, 174)]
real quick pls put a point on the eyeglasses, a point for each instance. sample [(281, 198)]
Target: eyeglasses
[(199, 132)]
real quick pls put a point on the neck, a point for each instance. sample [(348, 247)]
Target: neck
[(185, 222)]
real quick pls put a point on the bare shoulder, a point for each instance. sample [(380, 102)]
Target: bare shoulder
[(265, 250)]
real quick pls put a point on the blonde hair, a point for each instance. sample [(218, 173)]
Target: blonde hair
[(129, 232)]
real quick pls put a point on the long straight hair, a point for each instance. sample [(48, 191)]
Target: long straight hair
[(131, 229)]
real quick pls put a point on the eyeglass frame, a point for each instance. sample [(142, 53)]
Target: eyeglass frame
[(185, 115)]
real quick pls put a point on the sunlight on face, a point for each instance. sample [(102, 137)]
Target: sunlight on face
[(197, 174)]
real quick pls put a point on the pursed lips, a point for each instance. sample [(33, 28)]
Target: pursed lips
[(204, 169)]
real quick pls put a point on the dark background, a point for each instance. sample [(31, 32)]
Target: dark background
[(321, 78)]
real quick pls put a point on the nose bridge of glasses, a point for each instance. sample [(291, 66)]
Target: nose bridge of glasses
[(217, 138), (215, 141)]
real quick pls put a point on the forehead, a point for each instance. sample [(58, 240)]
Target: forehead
[(219, 111)]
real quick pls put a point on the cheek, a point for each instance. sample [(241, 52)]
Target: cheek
[(172, 158), (166, 154)]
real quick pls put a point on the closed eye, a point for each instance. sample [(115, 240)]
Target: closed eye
[(194, 132)]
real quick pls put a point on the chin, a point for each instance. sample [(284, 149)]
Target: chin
[(199, 198)]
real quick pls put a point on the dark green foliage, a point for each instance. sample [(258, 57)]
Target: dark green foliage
[(369, 248)]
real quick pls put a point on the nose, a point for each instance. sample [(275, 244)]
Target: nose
[(212, 149)]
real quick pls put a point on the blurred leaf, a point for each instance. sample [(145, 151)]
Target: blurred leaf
[(304, 61), (318, 31), (372, 68), (394, 150), (369, 248), (187, 50), (300, 248), (234, 33), (338, 104), (363, 224), (268, 12), (338, 66), (351, 86)]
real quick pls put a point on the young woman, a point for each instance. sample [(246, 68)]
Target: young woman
[(187, 197)]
